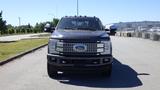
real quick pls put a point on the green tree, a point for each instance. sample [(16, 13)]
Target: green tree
[(10, 29), (29, 28), (55, 22), (3, 26), (36, 28), (39, 27)]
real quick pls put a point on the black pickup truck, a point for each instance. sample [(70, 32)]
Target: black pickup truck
[(79, 44)]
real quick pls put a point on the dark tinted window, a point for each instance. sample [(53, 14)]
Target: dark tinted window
[(80, 24)]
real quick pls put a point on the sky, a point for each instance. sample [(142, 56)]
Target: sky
[(109, 11)]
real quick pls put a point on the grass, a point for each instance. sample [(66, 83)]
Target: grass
[(10, 49)]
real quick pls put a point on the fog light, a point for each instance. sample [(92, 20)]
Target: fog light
[(63, 62), (105, 60), (95, 62), (53, 59)]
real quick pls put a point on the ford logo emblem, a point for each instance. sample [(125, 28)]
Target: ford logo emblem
[(79, 47)]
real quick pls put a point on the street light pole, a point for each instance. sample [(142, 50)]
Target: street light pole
[(19, 19), (77, 8)]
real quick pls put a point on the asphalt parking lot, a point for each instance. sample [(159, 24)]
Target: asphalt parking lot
[(136, 66)]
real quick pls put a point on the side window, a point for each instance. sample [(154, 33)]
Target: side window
[(100, 24)]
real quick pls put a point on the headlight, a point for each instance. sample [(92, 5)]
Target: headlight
[(59, 46), (104, 47), (100, 45), (52, 46), (100, 50)]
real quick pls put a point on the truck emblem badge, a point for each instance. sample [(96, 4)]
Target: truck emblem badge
[(79, 47)]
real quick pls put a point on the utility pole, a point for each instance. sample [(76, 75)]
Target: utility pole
[(77, 8), (19, 19)]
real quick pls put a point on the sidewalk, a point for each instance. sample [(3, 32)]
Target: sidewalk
[(19, 37)]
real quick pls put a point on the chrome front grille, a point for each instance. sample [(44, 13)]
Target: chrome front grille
[(91, 47)]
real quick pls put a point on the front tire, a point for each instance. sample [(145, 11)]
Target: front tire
[(52, 72)]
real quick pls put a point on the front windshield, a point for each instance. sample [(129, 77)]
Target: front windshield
[(80, 24)]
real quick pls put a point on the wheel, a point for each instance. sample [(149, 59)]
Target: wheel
[(107, 72), (52, 72)]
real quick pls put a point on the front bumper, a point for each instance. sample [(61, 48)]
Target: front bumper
[(90, 63)]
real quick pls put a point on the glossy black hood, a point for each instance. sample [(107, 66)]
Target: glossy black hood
[(79, 34)]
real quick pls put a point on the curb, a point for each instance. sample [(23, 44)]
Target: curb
[(7, 41), (20, 55)]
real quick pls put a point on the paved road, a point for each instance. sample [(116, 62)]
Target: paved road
[(19, 37), (136, 67)]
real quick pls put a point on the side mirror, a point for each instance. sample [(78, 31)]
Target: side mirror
[(113, 30), (48, 28), (108, 31)]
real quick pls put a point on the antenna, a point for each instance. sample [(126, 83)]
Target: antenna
[(77, 8)]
